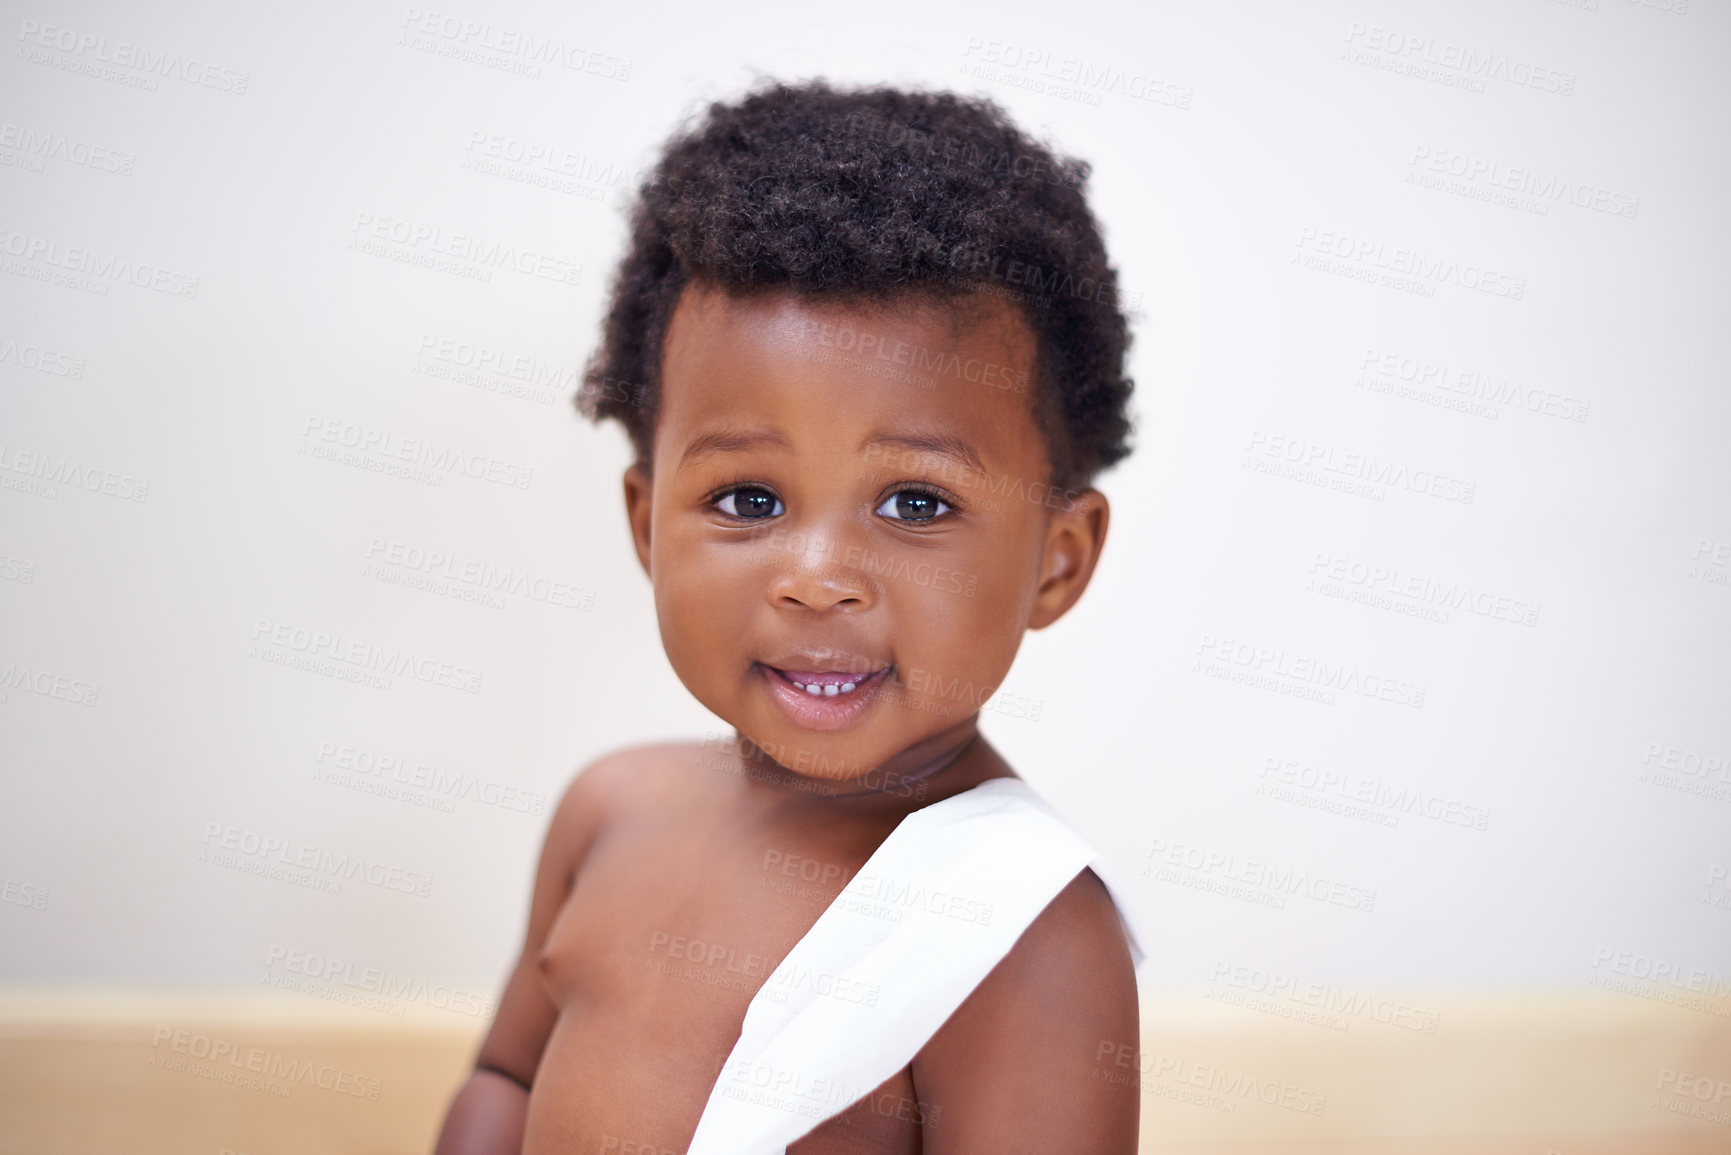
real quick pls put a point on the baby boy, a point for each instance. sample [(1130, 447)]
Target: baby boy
[(867, 348)]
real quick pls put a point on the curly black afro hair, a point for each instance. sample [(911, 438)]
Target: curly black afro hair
[(871, 194)]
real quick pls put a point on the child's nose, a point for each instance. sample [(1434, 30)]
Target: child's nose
[(820, 574)]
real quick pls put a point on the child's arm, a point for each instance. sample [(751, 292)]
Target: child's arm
[(488, 1115), (1027, 1061)]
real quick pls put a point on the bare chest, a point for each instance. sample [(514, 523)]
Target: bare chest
[(652, 962)]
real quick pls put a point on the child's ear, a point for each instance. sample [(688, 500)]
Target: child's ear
[(1073, 543), (637, 505)]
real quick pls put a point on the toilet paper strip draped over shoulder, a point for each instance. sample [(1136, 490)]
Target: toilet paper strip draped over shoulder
[(931, 912)]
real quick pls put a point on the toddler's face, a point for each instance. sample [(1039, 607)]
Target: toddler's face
[(849, 526)]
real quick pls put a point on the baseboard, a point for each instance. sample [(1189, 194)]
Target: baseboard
[(268, 1072)]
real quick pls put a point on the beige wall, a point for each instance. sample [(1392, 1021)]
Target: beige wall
[(1553, 815)]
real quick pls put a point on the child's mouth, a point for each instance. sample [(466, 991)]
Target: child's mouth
[(823, 699)]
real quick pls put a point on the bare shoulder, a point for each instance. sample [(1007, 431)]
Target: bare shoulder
[(1016, 1068), (621, 782)]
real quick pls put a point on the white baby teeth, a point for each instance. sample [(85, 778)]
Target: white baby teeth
[(828, 691)]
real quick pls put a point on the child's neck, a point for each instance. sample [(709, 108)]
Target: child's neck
[(929, 771)]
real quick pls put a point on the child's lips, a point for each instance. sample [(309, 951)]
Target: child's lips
[(823, 699)]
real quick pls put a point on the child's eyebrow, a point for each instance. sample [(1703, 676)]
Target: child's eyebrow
[(942, 444), (736, 440), (731, 440)]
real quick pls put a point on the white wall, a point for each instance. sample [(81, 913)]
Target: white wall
[(1275, 133)]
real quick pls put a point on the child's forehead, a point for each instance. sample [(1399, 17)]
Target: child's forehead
[(935, 320), (915, 359)]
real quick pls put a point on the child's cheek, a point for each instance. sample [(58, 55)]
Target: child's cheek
[(711, 600), (691, 624)]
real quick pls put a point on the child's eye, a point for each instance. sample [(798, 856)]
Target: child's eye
[(913, 505), (749, 501)]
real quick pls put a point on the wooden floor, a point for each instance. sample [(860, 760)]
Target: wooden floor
[(277, 1073)]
